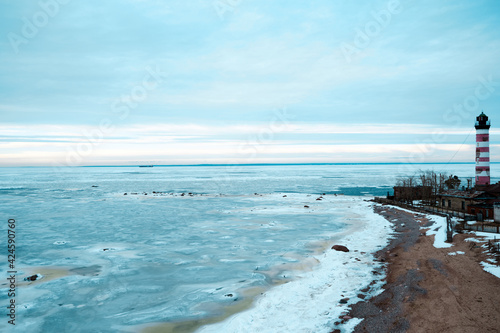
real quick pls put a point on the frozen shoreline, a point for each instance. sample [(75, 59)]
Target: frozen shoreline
[(311, 303), (423, 273), (113, 262), (320, 277)]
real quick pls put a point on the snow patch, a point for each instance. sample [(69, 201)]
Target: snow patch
[(492, 269), (487, 235), (438, 230), (473, 240)]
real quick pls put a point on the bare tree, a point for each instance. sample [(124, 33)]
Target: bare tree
[(432, 184)]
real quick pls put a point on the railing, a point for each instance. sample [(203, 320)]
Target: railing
[(487, 123), (454, 213), (486, 226), (420, 209), (482, 227)]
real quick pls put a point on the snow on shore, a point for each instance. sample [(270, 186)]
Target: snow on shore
[(492, 269), (438, 230), (311, 302), (486, 236)]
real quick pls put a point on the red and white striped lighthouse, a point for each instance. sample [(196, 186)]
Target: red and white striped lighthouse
[(482, 150)]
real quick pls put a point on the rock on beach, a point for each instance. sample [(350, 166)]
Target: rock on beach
[(340, 248)]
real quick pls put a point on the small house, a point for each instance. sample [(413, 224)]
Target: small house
[(410, 193), (475, 202)]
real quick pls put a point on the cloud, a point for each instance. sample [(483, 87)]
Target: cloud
[(240, 143), (225, 76)]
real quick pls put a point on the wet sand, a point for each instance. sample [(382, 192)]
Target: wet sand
[(189, 326), (49, 273), (427, 289)]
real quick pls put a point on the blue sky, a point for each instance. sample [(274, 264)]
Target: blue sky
[(242, 81)]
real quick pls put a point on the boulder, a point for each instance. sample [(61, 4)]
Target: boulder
[(32, 277), (340, 248)]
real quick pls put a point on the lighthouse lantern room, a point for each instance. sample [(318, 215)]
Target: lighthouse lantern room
[(482, 150)]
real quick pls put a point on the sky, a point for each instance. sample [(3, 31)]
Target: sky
[(246, 81)]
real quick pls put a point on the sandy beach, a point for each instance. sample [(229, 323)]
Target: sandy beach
[(430, 289)]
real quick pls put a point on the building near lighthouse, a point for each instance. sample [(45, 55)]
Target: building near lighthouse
[(482, 200), (482, 150)]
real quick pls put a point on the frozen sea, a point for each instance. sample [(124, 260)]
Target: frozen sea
[(202, 248)]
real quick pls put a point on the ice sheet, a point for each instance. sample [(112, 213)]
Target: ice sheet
[(311, 302), (112, 261)]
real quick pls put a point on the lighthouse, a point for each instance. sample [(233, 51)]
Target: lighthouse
[(482, 150)]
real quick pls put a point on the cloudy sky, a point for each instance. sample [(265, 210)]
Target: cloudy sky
[(246, 81)]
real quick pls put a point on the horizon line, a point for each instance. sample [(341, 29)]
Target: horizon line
[(237, 164)]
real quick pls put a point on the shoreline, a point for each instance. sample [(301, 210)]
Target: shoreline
[(429, 289), (315, 298)]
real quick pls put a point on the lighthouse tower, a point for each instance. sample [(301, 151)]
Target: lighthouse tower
[(482, 150)]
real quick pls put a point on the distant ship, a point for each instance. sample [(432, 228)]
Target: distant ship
[(145, 166)]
